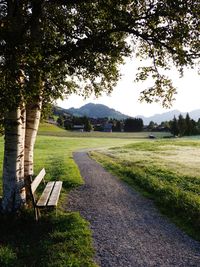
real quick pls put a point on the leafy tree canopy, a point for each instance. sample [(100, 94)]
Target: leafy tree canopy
[(133, 125), (76, 46)]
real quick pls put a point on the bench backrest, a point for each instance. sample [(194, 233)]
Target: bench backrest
[(31, 187), (37, 180)]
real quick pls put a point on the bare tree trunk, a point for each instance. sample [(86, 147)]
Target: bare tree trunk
[(33, 113), (13, 166)]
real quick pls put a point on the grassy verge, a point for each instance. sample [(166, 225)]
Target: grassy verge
[(59, 241), (150, 168)]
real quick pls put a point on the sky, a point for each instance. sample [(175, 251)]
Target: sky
[(125, 95)]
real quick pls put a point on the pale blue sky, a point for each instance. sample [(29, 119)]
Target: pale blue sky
[(124, 97)]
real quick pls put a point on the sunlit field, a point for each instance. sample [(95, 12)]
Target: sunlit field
[(180, 155), (167, 171), (62, 240), (54, 147)]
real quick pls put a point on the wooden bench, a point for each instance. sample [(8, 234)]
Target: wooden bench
[(49, 197)]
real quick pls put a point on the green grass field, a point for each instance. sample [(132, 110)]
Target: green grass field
[(50, 130), (167, 171), (59, 241), (54, 147)]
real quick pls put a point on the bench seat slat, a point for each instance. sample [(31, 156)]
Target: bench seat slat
[(53, 200), (45, 195)]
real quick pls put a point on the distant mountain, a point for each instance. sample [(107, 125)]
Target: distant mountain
[(96, 111), (167, 116), (60, 111), (101, 111)]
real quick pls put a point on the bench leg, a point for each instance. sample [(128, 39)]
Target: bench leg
[(37, 213)]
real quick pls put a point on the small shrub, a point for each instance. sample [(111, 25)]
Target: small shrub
[(7, 257)]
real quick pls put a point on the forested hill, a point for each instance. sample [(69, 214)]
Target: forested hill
[(96, 111)]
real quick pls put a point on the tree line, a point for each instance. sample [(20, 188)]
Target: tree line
[(184, 126), (178, 126), (127, 125)]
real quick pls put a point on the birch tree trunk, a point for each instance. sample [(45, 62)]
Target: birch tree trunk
[(13, 165), (33, 107), (33, 114)]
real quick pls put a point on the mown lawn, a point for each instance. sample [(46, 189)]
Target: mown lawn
[(59, 241), (167, 171)]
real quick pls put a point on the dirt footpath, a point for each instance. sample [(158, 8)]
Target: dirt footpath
[(128, 230)]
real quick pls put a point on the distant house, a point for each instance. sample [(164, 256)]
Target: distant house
[(52, 121), (98, 127), (108, 127), (78, 128)]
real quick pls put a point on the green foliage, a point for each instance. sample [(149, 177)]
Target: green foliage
[(57, 50), (191, 126), (58, 47), (7, 257), (87, 124), (174, 127), (47, 111), (183, 126), (152, 125), (60, 120), (133, 125), (117, 126)]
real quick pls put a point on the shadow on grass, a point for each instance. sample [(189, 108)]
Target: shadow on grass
[(53, 242)]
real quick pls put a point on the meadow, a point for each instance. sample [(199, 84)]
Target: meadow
[(166, 171), (54, 147), (50, 130), (59, 241)]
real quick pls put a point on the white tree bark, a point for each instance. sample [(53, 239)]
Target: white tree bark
[(33, 114), (13, 166)]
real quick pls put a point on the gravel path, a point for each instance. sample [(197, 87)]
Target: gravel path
[(128, 230)]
